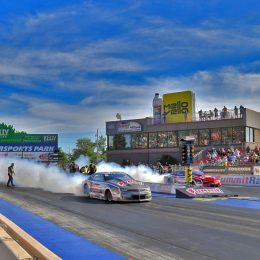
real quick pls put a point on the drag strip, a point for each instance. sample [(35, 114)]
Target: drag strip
[(165, 228)]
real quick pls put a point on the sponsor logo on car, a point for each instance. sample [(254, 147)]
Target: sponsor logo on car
[(123, 183)]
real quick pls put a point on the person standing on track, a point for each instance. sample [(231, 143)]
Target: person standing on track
[(11, 173)]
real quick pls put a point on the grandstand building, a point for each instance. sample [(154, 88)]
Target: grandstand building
[(144, 141)]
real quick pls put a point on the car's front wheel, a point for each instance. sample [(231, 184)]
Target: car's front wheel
[(109, 196)]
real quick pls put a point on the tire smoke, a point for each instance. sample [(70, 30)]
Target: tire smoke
[(52, 178)]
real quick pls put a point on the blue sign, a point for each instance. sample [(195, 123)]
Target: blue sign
[(29, 147)]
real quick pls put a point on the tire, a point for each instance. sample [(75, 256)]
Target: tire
[(86, 189), (109, 197)]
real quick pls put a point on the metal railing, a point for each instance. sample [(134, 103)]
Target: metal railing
[(205, 116)]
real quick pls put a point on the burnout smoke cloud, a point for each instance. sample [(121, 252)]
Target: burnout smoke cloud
[(51, 178)]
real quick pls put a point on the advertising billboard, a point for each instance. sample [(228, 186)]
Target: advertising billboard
[(179, 107), (129, 127), (38, 147)]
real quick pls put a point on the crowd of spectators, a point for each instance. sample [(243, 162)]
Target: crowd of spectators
[(222, 113), (231, 157)]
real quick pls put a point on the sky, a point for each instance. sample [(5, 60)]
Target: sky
[(67, 67)]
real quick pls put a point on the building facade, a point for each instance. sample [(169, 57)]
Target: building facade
[(142, 141)]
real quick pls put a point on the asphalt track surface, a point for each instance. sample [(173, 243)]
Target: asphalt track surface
[(166, 228)]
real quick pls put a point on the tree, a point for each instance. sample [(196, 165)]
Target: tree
[(63, 158), (84, 146), (11, 129), (93, 150), (102, 148)]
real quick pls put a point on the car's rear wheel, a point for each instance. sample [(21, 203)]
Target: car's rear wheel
[(109, 196)]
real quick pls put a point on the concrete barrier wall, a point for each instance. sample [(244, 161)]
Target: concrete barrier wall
[(163, 188)]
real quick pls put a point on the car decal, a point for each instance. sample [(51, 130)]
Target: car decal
[(123, 183)]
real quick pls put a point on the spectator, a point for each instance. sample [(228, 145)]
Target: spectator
[(236, 112), (92, 168), (73, 167), (201, 166), (205, 115), (241, 110), (84, 169), (216, 112), (211, 114), (237, 153), (200, 115), (224, 110), (185, 116)]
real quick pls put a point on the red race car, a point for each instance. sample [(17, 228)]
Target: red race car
[(198, 178)]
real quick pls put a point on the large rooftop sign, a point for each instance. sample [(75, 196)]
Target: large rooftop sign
[(179, 107)]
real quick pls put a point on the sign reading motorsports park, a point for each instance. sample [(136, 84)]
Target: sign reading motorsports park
[(30, 146), (179, 106)]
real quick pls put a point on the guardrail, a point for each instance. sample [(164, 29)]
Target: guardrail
[(28, 243)]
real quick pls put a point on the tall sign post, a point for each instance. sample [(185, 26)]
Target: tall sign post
[(187, 156)]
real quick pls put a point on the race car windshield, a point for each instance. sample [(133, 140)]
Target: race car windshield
[(117, 176)]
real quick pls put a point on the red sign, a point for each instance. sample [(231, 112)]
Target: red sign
[(123, 183), (203, 191)]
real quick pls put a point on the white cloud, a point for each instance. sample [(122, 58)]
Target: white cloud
[(36, 54), (32, 21)]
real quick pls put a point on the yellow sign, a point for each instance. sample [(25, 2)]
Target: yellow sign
[(178, 107), (188, 174)]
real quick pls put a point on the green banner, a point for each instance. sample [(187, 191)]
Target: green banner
[(9, 135), (28, 138)]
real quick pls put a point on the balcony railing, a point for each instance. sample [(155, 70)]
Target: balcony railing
[(204, 116)]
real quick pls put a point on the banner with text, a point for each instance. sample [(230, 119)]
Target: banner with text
[(245, 180), (33, 151), (179, 106)]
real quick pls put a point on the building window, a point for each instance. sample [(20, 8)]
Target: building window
[(257, 135), (251, 130), (215, 136), (194, 133), (172, 139), (122, 141), (227, 135), (111, 142), (139, 140), (204, 137), (153, 140), (183, 133), (238, 135), (247, 135), (162, 139)]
